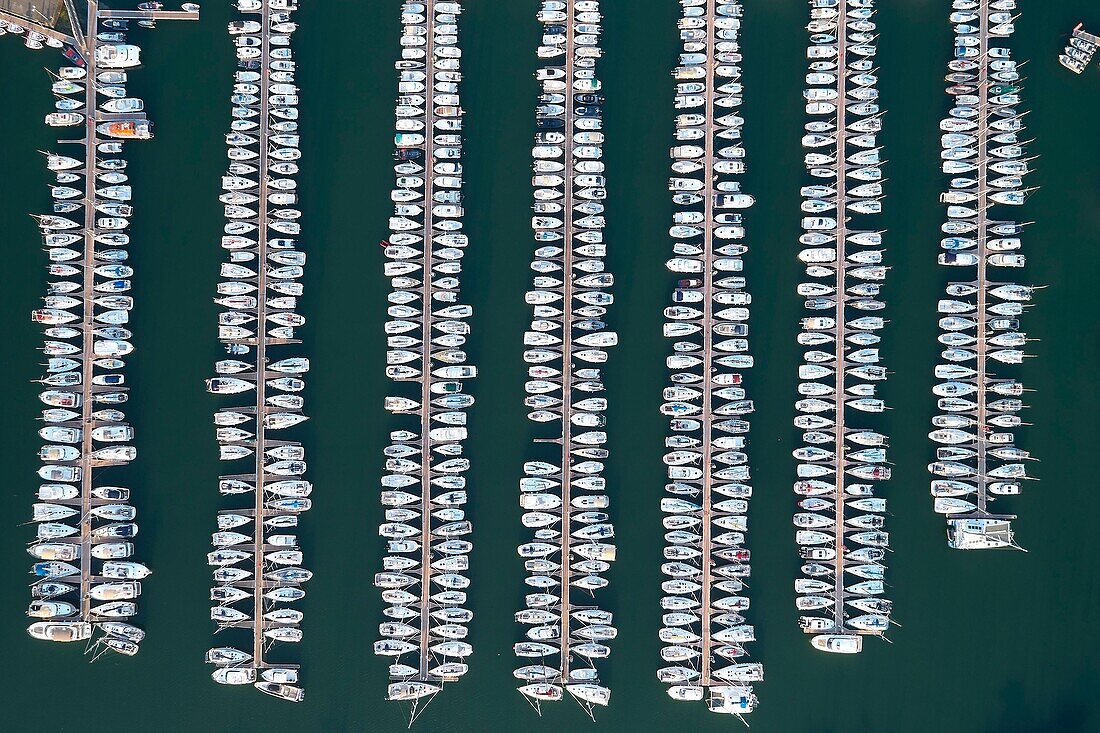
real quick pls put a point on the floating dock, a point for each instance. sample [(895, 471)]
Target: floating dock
[(983, 151), (563, 494), (840, 521), (424, 490), (86, 584), (705, 629), (258, 564)]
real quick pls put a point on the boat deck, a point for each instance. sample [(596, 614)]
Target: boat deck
[(436, 643), (570, 668), (88, 464), (706, 610), (985, 377), (267, 349), (427, 638), (149, 15), (565, 610), (845, 273), (706, 627), (982, 347), (91, 141), (425, 657), (707, 322), (840, 365)]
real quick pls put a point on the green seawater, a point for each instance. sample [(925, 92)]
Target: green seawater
[(995, 642)]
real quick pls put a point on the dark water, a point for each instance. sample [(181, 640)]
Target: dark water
[(990, 643)]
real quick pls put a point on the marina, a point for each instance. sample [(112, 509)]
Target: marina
[(984, 152), (258, 566), (840, 523), (563, 494), (347, 114), (423, 578), (706, 563), (86, 582)]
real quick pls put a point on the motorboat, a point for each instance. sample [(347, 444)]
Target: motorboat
[(838, 643), (64, 631), (287, 692)]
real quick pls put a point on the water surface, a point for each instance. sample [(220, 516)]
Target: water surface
[(997, 642)]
